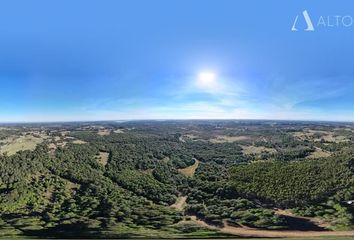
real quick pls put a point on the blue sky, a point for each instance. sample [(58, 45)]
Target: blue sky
[(142, 59)]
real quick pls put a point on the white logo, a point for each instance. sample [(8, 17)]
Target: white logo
[(306, 15), (329, 21)]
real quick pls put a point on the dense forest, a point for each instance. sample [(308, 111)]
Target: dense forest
[(163, 178)]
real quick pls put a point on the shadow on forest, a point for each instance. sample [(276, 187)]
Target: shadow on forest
[(75, 231), (301, 224)]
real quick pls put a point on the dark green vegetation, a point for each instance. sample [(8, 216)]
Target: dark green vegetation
[(247, 171)]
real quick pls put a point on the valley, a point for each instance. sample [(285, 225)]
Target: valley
[(177, 179)]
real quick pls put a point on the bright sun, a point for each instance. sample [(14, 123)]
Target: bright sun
[(206, 79)]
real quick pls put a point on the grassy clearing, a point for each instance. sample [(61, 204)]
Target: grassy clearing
[(223, 139), (333, 138), (180, 203), (189, 171), (248, 150), (104, 132), (119, 131), (79, 142), (71, 186), (319, 153), (14, 145), (57, 138), (318, 136), (103, 158), (7, 140)]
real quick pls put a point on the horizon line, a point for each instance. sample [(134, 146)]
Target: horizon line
[(176, 119)]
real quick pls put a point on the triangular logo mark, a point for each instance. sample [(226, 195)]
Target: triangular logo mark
[(308, 21)]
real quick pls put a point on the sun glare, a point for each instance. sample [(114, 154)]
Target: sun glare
[(206, 79)]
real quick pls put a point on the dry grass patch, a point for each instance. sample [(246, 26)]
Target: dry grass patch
[(71, 186), (104, 156), (22, 143), (7, 140), (180, 203), (336, 139), (319, 135), (104, 132), (64, 133), (332, 138), (52, 147), (248, 150), (302, 135), (189, 171), (61, 144), (223, 139), (309, 134), (119, 131), (77, 141), (319, 153)]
